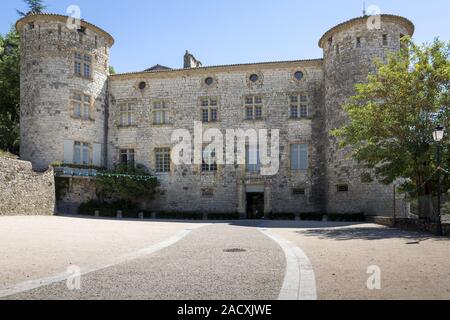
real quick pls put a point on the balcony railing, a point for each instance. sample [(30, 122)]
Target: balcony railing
[(75, 172)]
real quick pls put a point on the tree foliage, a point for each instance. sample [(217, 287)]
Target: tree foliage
[(393, 116), (132, 183), (9, 92), (34, 7)]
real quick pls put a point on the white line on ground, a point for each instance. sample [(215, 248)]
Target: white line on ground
[(299, 281), (34, 284)]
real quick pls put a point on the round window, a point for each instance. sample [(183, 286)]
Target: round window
[(142, 85), (254, 78), (209, 81), (299, 75)]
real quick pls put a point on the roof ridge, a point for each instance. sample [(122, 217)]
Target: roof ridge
[(219, 66)]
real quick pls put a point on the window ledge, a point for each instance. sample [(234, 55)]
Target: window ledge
[(300, 119), (127, 127), (82, 119), (162, 125), (83, 77)]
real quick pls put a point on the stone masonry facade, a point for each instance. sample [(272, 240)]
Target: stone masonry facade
[(73, 111), (23, 191)]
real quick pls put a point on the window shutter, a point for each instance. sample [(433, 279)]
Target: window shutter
[(304, 157), (97, 155), (295, 158), (68, 151)]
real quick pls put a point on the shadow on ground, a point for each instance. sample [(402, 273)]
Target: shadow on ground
[(367, 233)]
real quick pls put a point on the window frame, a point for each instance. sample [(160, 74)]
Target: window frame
[(130, 154), (301, 166), (83, 104), (301, 103), (82, 149), (256, 107), (212, 166), (82, 63), (127, 117), (211, 106), (162, 110), (161, 167)]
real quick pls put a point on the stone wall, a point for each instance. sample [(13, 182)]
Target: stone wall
[(48, 84), (23, 191), (347, 63), (182, 91)]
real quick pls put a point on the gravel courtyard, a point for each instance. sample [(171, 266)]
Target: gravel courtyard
[(228, 260)]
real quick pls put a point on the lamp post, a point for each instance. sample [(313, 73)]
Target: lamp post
[(438, 135)]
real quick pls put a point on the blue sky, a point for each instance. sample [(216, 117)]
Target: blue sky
[(229, 31)]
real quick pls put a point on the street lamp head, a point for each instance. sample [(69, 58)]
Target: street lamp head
[(438, 133)]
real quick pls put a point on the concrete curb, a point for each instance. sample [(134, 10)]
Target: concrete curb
[(300, 281)]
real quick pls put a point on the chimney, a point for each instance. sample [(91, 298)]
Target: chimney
[(190, 61)]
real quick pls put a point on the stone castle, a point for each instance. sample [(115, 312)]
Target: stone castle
[(74, 112)]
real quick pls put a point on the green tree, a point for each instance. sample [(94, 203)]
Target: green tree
[(9, 92), (126, 182), (34, 7), (393, 115), (112, 70)]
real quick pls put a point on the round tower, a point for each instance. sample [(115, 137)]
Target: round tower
[(63, 85), (350, 49)]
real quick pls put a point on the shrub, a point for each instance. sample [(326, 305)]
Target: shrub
[(129, 210), (223, 216), (311, 216), (179, 215), (283, 216), (348, 217)]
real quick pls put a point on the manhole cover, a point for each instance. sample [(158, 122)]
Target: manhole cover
[(234, 250)]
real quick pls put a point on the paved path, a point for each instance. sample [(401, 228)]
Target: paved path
[(197, 267), (235, 260)]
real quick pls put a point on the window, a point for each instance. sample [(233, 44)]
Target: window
[(337, 49), (253, 108), (126, 115), (252, 159), (298, 75), (160, 113), (358, 42), (209, 161), (162, 160), (385, 40), (298, 191), (299, 157), (81, 106), (209, 109), (127, 156), (81, 153), (254, 78), (83, 65), (299, 106), (208, 192), (209, 81), (342, 188)]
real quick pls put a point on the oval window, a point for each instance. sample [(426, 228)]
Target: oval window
[(142, 85), (299, 75), (209, 81), (254, 78)]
